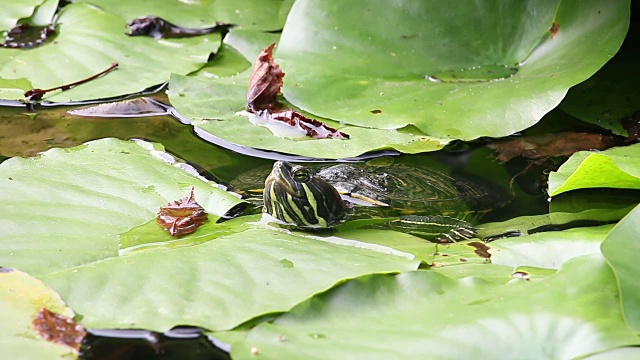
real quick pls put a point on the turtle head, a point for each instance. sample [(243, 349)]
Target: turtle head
[(294, 196)]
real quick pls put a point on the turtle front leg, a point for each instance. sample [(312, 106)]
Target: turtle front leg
[(439, 228)]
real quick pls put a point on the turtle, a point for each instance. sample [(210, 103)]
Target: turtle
[(423, 202)]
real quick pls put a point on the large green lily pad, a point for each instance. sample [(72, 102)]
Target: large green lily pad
[(218, 284), (83, 220), (88, 41), (619, 249), (13, 11), (345, 59), (22, 296), (67, 206), (613, 168), (427, 315), (548, 249)]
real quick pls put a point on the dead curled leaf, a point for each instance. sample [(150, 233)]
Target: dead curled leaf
[(265, 83), (551, 145), (58, 329), (262, 100), (183, 216)]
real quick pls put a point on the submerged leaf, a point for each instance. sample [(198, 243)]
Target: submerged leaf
[(58, 329), (551, 145), (138, 107), (182, 216)]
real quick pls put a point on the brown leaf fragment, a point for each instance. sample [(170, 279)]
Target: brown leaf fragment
[(481, 250), (183, 216), (159, 28), (555, 27), (312, 127), (265, 83), (58, 329), (552, 145), (25, 36)]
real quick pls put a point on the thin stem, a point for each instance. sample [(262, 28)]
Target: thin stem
[(36, 94)]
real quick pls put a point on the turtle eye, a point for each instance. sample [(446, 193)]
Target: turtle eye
[(301, 175)]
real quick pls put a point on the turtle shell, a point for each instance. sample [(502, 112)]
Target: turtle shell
[(405, 189), (396, 189)]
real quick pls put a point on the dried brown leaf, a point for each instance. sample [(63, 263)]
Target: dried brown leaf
[(183, 216), (555, 27), (265, 83), (58, 329)]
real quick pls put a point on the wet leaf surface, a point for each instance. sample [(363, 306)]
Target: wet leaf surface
[(426, 315), (341, 69), (88, 40), (78, 200), (618, 248)]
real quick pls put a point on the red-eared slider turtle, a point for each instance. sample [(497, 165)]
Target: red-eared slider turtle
[(423, 202)]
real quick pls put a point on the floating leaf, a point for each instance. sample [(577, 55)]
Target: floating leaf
[(499, 69), (614, 168), (421, 314), (88, 40), (13, 11), (182, 216), (619, 249), (67, 206)]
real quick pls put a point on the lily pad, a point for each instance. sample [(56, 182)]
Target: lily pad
[(459, 71), (193, 14), (423, 314), (88, 41), (72, 217), (67, 206), (252, 14), (212, 104), (618, 248), (214, 279), (548, 249), (613, 168), (22, 296), (13, 11)]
